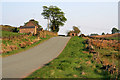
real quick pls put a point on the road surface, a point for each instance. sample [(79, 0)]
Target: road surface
[(22, 64)]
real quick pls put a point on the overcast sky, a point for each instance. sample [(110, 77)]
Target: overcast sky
[(90, 17)]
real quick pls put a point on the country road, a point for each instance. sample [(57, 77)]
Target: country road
[(22, 64)]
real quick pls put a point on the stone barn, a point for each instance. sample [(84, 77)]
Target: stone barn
[(72, 33), (30, 27)]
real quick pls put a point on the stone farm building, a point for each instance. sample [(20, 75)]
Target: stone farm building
[(72, 33), (30, 27)]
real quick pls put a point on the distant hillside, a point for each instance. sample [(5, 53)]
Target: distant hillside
[(109, 36), (7, 31), (8, 28)]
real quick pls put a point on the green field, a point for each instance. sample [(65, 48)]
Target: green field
[(9, 34), (71, 63)]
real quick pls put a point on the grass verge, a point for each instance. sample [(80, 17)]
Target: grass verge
[(71, 63), (26, 48)]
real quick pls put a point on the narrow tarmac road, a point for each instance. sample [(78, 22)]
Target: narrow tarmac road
[(22, 64)]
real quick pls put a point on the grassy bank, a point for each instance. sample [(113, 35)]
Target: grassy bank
[(23, 49), (9, 34), (73, 62)]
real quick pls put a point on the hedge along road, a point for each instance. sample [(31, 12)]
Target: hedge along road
[(24, 63)]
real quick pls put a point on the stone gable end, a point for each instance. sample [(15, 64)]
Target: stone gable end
[(30, 24)]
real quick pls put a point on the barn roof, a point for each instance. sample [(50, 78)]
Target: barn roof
[(72, 32), (27, 27)]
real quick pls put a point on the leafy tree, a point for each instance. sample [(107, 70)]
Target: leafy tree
[(115, 30), (103, 33), (76, 29), (55, 16)]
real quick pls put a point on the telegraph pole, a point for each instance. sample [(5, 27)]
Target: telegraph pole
[(48, 24)]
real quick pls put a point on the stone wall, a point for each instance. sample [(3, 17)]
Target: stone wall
[(27, 30), (16, 37), (44, 33), (51, 33)]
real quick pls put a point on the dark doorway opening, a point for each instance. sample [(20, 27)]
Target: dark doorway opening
[(72, 34)]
